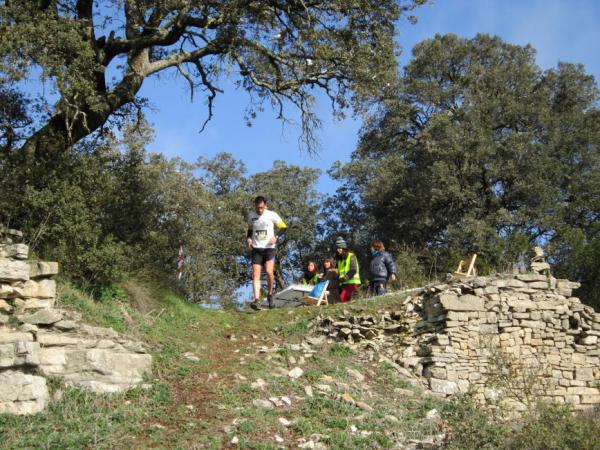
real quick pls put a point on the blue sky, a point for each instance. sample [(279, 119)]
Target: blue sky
[(560, 30)]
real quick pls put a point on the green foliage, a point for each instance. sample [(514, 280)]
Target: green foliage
[(575, 254), (473, 427), (112, 293), (412, 271), (14, 117), (556, 427), (479, 151), (106, 209), (545, 426), (341, 351), (74, 45), (79, 419)]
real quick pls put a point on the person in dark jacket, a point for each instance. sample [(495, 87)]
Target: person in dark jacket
[(330, 274), (381, 269)]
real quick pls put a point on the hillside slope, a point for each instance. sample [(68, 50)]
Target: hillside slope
[(227, 379)]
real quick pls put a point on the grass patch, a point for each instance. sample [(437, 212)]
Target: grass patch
[(387, 377), (298, 326), (78, 420), (341, 351)]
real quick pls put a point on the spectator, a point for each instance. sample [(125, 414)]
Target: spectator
[(310, 274), (349, 275), (381, 269), (330, 274)]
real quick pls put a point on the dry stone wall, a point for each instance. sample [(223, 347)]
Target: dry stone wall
[(489, 335), (528, 324), (38, 340)]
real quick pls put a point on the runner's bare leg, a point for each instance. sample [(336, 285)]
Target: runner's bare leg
[(256, 269), (269, 269)]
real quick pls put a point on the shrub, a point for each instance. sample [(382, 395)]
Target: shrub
[(551, 426), (472, 427)]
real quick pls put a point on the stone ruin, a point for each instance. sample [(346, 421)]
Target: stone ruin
[(38, 340), (467, 334)]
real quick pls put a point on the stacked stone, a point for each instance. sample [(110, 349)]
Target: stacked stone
[(531, 317), (355, 328), (37, 338)]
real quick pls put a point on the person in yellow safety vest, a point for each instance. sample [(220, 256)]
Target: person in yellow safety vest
[(310, 274), (349, 274)]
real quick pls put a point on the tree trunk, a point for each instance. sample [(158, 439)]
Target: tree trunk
[(70, 124)]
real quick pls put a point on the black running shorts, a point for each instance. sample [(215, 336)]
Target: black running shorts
[(262, 255)]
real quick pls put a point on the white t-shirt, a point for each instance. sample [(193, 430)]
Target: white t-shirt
[(263, 227)]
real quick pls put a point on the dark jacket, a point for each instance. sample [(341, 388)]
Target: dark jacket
[(382, 266), (334, 286)]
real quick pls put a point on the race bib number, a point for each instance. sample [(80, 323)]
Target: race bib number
[(261, 235)]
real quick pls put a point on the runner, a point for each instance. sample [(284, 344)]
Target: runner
[(262, 239)]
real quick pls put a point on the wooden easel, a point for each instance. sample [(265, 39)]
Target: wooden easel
[(471, 271)]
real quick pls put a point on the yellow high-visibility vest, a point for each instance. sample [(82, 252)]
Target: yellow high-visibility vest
[(344, 268)]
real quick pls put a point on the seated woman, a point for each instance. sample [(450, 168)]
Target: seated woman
[(330, 273), (310, 274)]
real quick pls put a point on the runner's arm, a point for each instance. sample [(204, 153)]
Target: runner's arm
[(249, 237), (280, 229)]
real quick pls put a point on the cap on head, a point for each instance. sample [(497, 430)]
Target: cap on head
[(340, 243)]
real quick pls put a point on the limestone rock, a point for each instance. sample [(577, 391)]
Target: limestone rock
[(433, 414), (38, 289), (42, 317), (67, 325), (96, 358), (540, 266), (443, 386), (531, 277), (356, 375), (5, 307), (11, 270), (264, 404), (364, 406), (22, 394), (6, 291), (17, 251), (100, 370), (37, 303), (296, 372), (8, 336), (463, 303), (42, 269), (19, 353)]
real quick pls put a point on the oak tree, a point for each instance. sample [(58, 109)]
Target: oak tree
[(96, 54)]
